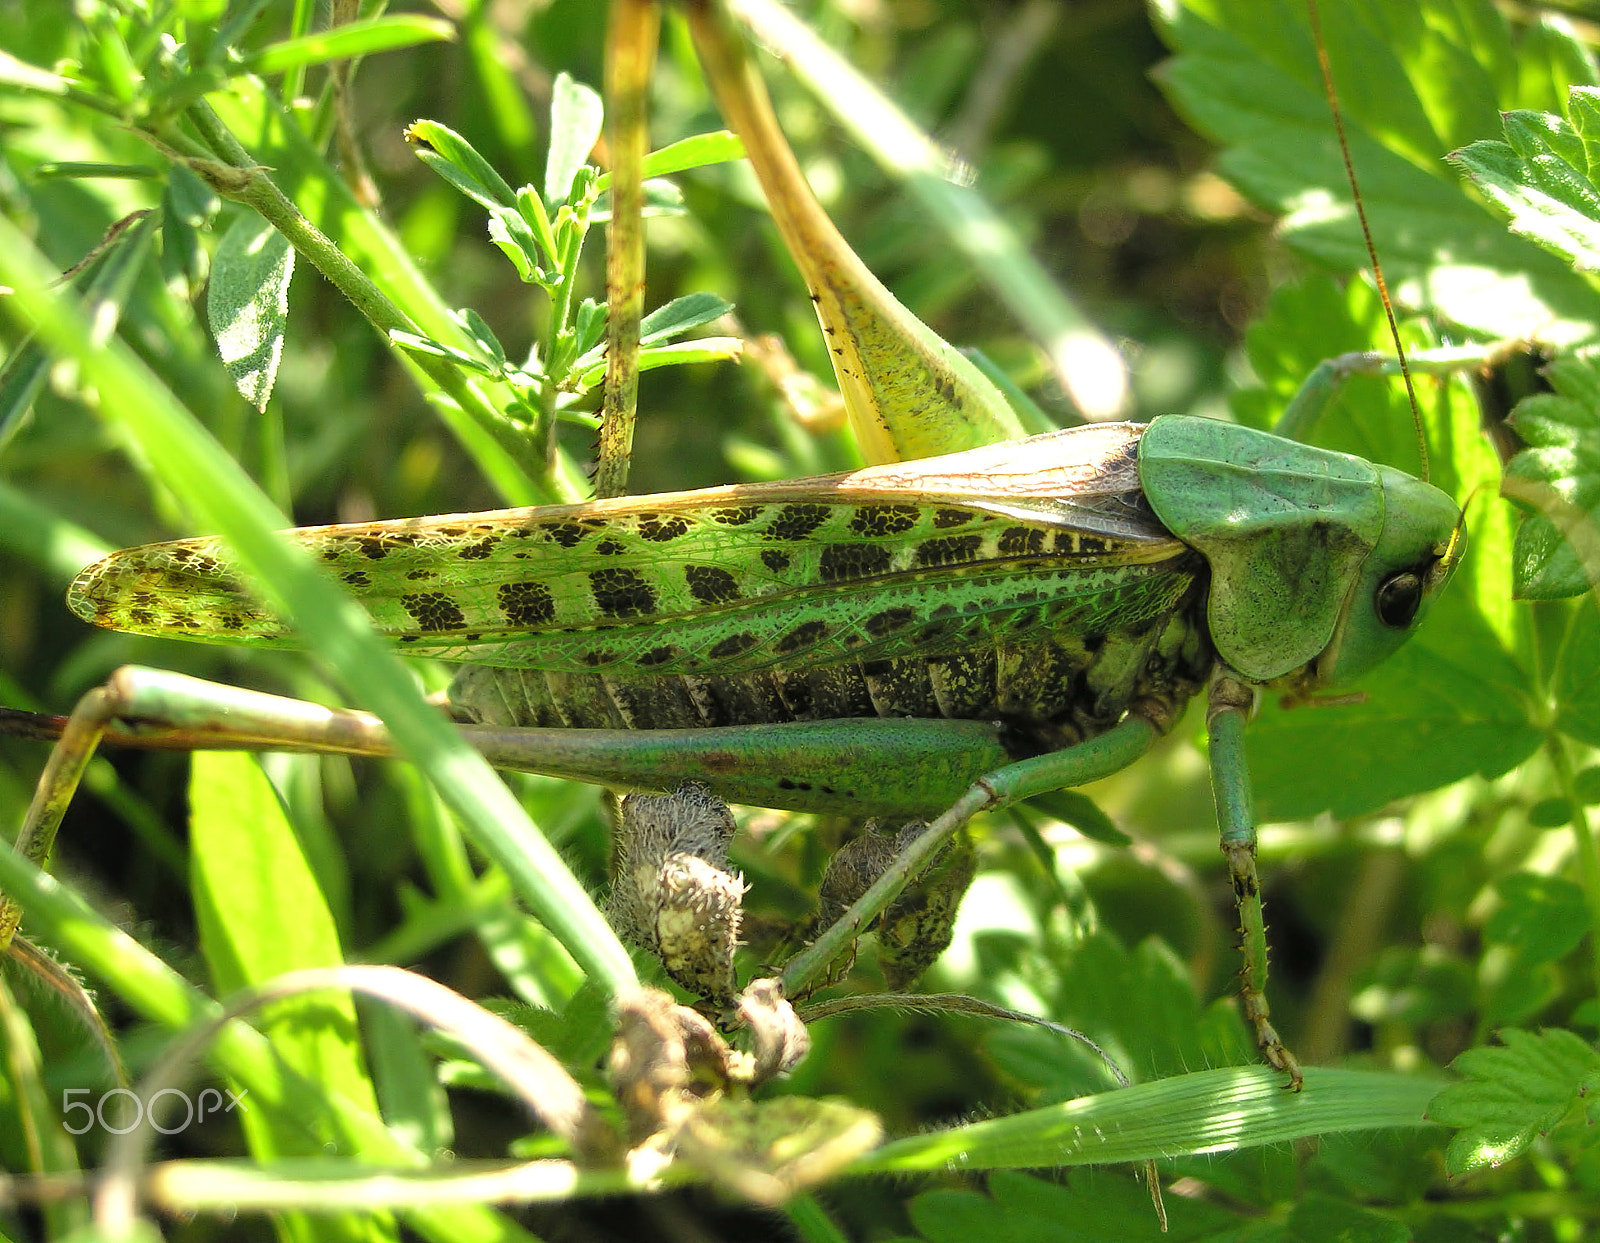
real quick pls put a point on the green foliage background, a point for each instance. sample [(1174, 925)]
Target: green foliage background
[(1404, 933)]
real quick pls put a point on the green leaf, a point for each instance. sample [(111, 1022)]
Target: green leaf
[(579, 1035), (1540, 179), (1417, 79), (352, 39), (1513, 1094), (1207, 1111), (189, 199), (262, 914), (661, 198), (1518, 994), (1416, 986), (700, 350), (1444, 707), (680, 315), (406, 1083), (23, 76), (247, 304), (107, 284), (1543, 917), (1558, 477), (1139, 1005), (427, 345), (697, 151), (589, 327), (264, 911), (188, 206), (1550, 813), (458, 162), (1020, 1208), (1083, 814), (483, 336), (509, 231), (577, 116), (1381, 1167), (1325, 1219), (1576, 685)]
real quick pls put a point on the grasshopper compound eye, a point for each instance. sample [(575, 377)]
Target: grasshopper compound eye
[(1398, 599)]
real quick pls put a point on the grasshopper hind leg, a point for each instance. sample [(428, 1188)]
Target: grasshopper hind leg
[(919, 924)]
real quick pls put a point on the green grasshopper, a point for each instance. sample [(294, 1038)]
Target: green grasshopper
[(921, 637)]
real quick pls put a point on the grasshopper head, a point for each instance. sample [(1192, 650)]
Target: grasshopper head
[(1321, 563), (1423, 537)]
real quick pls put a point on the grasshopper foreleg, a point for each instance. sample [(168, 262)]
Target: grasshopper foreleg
[(1230, 703)]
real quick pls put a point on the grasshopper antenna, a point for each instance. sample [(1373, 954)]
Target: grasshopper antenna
[(1315, 14)]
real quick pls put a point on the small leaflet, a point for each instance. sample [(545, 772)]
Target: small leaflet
[(247, 305)]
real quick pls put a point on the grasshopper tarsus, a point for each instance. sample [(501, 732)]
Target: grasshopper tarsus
[(1253, 972)]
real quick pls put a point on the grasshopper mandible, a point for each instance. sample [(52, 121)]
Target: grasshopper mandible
[(938, 635)]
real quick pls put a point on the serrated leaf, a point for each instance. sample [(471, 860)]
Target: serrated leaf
[(1434, 76), (1540, 178), (247, 304), (1558, 475), (1433, 715), (577, 116), (1583, 106), (1513, 1093), (1139, 1005), (1553, 151), (578, 1036)]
